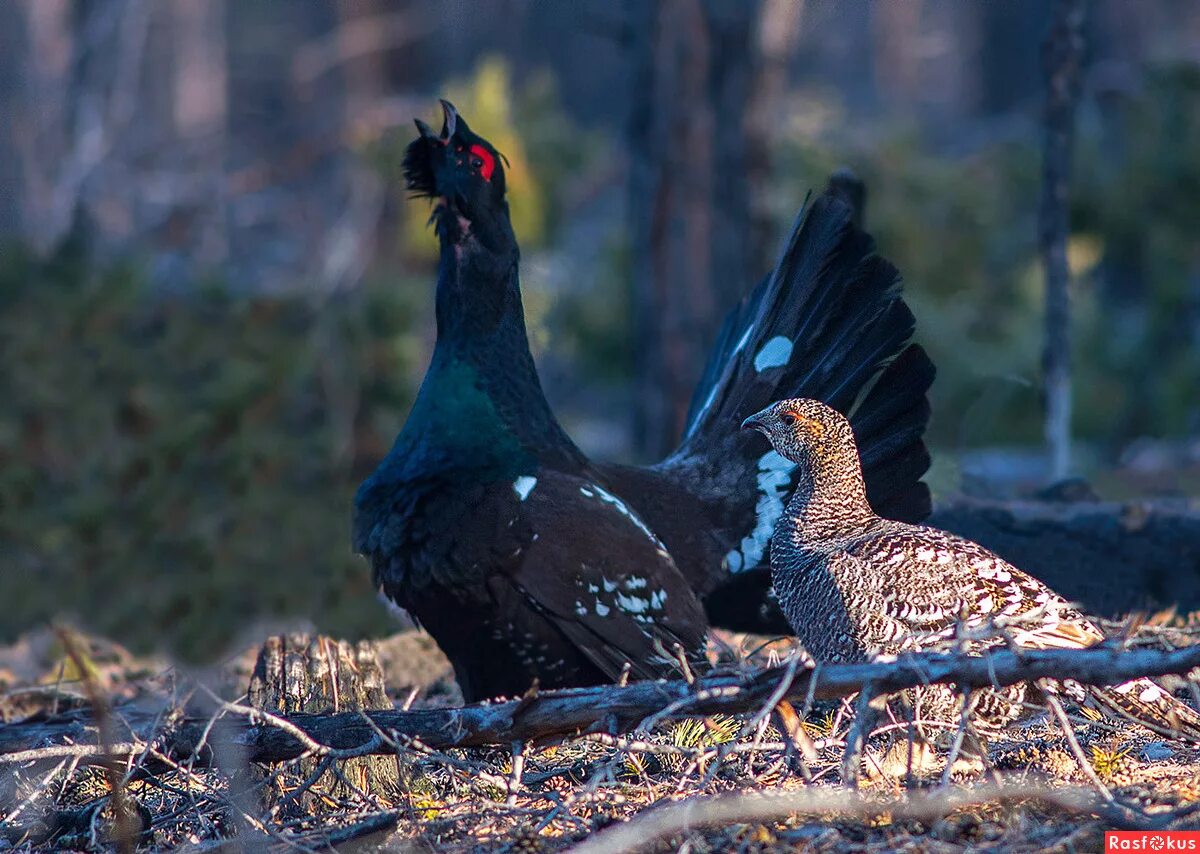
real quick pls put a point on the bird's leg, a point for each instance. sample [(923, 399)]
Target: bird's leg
[(518, 768), (969, 700), (1060, 714), (684, 667), (911, 739), (865, 711), (798, 746)]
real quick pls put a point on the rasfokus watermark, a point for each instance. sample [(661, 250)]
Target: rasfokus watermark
[(1152, 840)]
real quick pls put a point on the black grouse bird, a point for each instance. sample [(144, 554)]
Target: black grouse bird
[(855, 586), (526, 560)]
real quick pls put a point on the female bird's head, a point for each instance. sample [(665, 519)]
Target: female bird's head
[(457, 166), (807, 432)]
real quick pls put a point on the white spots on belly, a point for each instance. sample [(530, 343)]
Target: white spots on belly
[(774, 354), (580, 609), (594, 491), (601, 609), (774, 480), (524, 485)]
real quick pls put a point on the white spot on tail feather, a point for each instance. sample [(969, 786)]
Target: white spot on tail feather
[(774, 354), (524, 485), (774, 480)]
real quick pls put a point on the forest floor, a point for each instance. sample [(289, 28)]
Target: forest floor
[(697, 785)]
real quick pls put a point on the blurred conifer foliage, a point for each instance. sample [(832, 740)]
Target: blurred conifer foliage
[(174, 468)]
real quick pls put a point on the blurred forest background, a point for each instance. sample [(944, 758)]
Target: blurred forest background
[(216, 301)]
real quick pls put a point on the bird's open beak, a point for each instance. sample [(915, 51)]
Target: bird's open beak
[(449, 119), (755, 423)]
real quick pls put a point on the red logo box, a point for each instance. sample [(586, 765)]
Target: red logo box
[(1152, 840)]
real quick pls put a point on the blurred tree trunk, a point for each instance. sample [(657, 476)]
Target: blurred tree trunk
[(1063, 59), (14, 68), (42, 114), (896, 31), (689, 213), (1123, 283), (778, 32), (200, 84), (1008, 64)]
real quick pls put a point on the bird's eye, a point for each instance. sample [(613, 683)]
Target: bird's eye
[(790, 418), (483, 160)]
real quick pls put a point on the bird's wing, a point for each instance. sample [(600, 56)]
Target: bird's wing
[(959, 577), (939, 580), (601, 577)]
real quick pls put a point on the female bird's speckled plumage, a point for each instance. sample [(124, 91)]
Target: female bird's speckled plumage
[(855, 586)]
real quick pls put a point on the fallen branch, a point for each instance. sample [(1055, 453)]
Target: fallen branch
[(564, 714), (722, 810)]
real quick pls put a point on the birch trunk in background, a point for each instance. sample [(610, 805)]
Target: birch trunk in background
[(1062, 57)]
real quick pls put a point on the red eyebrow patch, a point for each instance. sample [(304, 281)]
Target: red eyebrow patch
[(489, 162)]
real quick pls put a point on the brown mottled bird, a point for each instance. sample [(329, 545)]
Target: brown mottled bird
[(855, 586)]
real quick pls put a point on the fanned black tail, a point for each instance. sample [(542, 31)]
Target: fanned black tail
[(828, 323)]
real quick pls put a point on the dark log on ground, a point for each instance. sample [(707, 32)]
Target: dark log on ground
[(562, 714), (1111, 558), (320, 675)]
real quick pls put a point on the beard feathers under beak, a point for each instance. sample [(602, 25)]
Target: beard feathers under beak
[(418, 165), (418, 157)]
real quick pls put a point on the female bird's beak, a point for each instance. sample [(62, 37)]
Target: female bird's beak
[(754, 422)]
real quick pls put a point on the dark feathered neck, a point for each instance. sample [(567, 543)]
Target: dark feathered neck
[(830, 501), (481, 405)]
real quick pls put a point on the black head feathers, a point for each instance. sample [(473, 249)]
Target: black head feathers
[(456, 164)]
